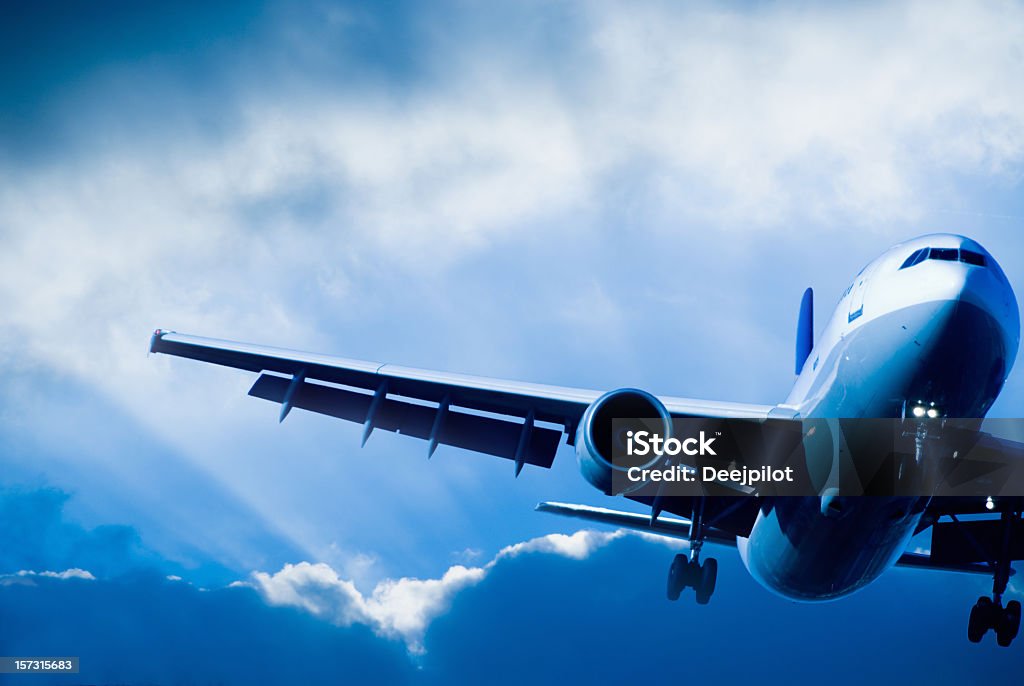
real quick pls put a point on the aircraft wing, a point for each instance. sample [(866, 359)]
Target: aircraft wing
[(510, 419)]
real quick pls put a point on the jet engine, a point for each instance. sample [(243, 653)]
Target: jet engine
[(597, 439)]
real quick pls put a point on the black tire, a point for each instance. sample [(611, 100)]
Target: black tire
[(708, 578), (678, 574), (983, 617), (1008, 624), (977, 624), (1013, 615)]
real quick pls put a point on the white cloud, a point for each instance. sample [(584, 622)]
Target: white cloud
[(26, 576), (73, 573), (399, 608), (577, 546), (403, 608), (779, 113), (757, 118)]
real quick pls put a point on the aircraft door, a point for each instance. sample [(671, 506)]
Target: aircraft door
[(860, 284)]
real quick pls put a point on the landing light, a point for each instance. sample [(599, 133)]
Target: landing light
[(989, 503), (921, 410)]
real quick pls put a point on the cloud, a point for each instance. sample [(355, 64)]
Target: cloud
[(536, 613), (36, 535), (577, 546), (74, 573), (404, 608), (777, 113), (690, 120), (39, 534), (550, 619), (26, 576), (137, 607), (145, 629), (673, 122), (396, 609), (668, 119)]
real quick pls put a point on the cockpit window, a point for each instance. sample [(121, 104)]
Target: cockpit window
[(945, 254), (971, 257), (915, 257)]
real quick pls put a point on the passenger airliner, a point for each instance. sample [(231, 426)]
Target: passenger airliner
[(928, 329)]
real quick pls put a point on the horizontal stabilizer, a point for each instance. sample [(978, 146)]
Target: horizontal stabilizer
[(663, 526), (488, 435), (924, 561)]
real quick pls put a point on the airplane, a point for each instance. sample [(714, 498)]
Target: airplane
[(930, 328)]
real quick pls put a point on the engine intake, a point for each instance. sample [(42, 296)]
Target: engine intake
[(597, 441)]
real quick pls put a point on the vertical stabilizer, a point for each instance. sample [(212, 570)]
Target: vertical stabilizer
[(805, 330)]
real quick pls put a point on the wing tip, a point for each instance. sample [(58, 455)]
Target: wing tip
[(155, 338)]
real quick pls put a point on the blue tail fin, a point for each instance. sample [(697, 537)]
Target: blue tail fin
[(805, 330)]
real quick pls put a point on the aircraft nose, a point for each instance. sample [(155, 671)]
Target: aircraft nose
[(967, 341), (976, 288), (987, 289)]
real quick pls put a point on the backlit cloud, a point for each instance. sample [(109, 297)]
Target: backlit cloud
[(403, 608)]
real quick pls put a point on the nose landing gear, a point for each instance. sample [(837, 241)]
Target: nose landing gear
[(687, 571)]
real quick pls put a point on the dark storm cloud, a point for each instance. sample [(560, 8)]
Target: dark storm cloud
[(551, 620), (146, 629), (535, 617), (169, 65), (48, 49), (142, 627)]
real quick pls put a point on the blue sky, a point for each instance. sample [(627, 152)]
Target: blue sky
[(587, 194)]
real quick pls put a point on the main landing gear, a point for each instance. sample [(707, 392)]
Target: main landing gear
[(989, 613), (687, 571)]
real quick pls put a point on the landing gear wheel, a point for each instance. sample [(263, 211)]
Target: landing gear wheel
[(988, 614), (678, 576), (686, 570), (1013, 612), (705, 585), (1008, 624), (980, 620)]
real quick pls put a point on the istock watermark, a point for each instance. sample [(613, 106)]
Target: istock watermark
[(904, 457)]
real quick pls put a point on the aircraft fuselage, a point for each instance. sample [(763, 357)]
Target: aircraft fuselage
[(939, 335)]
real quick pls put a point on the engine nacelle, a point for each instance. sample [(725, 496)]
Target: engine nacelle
[(596, 440)]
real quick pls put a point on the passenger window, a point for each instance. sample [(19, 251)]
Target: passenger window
[(947, 254)]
